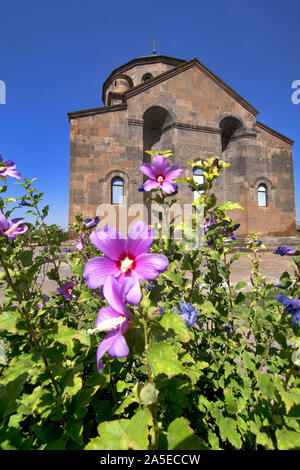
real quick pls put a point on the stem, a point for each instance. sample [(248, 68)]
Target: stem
[(151, 407), (29, 327), (47, 234), (227, 279)]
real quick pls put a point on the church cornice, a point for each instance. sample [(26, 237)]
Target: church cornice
[(93, 111)]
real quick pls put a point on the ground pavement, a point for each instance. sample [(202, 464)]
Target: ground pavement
[(272, 266)]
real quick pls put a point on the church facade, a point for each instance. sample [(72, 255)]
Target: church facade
[(163, 103)]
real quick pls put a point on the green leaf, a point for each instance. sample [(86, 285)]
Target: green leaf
[(77, 269), (261, 437), (174, 322), (112, 435), (9, 394), (95, 444), (26, 258), (289, 397), (287, 439), (66, 335), (229, 206), (227, 427), (137, 430), (163, 360), (176, 279), (71, 384), (266, 386), (182, 437), (230, 402), (8, 321)]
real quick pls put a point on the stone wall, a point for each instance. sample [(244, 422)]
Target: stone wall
[(185, 109)]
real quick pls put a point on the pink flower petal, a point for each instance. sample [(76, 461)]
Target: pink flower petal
[(115, 292), (134, 295), (98, 269), (4, 224), (148, 265), (160, 164), (150, 184), (140, 239), (119, 347), (148, 170), (173, 172), (168, 187), (109, 241), (105, 344), (106, 313)]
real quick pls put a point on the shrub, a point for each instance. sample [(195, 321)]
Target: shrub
[(149, 344)]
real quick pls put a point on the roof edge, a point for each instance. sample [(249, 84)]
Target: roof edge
[(185, 66), (140, 61), (93, 111), (275, 133)]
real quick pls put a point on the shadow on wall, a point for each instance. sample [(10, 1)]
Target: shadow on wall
[(298, 225)]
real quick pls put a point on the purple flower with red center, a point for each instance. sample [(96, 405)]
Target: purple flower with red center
[(285, 250), (90, 223), (79, 244), (8, 170), (11, 228), (124, 258), (160, 175), (114, 318), (66, 290), (292, 307)]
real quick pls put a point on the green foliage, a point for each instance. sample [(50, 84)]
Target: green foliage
[(180, 388)]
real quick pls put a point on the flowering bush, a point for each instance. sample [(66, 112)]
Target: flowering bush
[(148, 344)]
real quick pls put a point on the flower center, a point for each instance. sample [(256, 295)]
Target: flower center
[(126, 264), (69, 291), (109, 324), (160, 179)]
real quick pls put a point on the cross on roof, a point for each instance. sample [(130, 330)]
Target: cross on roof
[(154, 46)]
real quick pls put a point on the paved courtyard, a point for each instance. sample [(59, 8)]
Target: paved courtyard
[(272, 267)]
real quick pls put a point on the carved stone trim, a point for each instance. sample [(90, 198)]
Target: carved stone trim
[(93, 111), (191, 127)]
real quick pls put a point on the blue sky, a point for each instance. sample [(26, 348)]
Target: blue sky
[(55, 56)]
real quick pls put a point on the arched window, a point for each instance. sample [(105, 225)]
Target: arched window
[(262, 195), (199, 180), (146, 77), (117, 190)]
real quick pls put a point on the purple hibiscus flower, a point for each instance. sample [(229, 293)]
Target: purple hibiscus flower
[(80, 242), (114, 318), (124, 258), (285, 250), (67, 290), (90, 223), (9, 169), (161, 176), (11, 228), (292, 307)]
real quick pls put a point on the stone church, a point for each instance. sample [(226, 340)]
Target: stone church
[(163, 103)]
